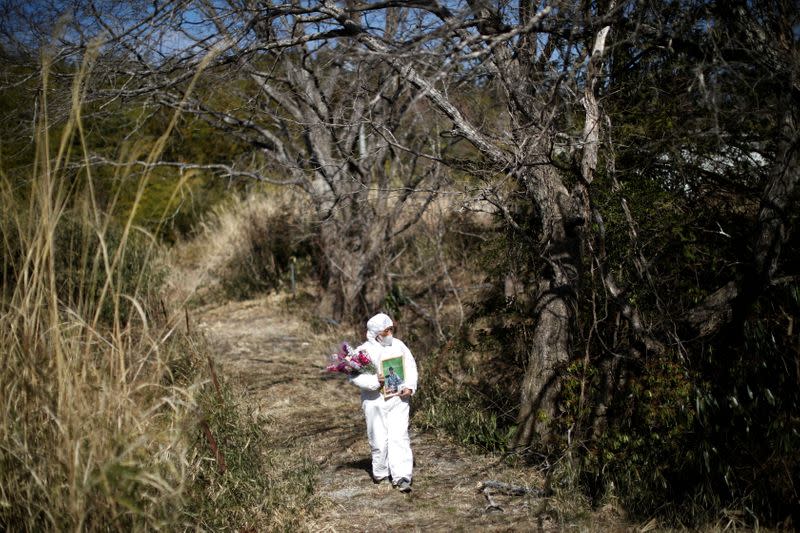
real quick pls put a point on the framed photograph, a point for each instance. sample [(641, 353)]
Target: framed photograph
[(394, 376)]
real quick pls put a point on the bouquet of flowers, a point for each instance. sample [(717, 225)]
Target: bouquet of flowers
[(350, 362)]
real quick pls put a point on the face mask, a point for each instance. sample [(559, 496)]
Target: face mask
[(385, 341)]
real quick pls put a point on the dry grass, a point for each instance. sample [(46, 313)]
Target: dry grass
[(200, 265), (101, 388), (91, 426), (275, 352)]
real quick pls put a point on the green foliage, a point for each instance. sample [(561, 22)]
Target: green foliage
[(261, 488), (681, 434), (647, 450), (121, 133), (464, 414), (161, 211), (458, 397), (173, 202), (685, 436), (749, 412)]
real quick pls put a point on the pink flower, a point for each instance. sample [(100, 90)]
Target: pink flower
[(350, 362)]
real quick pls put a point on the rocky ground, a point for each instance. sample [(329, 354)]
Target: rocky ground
[(275, 353)]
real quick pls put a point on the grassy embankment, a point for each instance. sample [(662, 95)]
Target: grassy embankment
[(109, 410)]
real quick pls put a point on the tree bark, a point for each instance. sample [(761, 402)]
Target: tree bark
[(353, 251), (554, 310), (563, 220)]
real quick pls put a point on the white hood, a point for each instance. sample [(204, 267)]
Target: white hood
[(377, 324)]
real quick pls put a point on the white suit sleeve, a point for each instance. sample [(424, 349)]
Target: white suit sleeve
[(366, 381), (411, 376)]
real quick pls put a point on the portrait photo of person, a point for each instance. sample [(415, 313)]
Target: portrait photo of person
[(393, 375), (393, 381)]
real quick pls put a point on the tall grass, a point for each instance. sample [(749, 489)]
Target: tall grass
[(100, 393), (90, 435)]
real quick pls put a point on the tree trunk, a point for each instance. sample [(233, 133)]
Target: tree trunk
[(554, 311), (549, 352), (354, 280)]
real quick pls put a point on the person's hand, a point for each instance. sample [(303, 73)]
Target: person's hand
[(405, 393)]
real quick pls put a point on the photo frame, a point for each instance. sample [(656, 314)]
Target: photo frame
[(394, 375)]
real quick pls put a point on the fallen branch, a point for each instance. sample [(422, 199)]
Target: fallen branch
[(489, 487), (511, 490), (492, 506)]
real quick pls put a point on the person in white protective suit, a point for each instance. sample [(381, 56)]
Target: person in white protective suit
[(387, 419)]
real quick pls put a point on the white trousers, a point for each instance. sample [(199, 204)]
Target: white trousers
[(387, 429)]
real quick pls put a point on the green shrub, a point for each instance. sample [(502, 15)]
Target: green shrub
[(463, 415), (262, 487), (645, 451), (165, 214), (475, 411)]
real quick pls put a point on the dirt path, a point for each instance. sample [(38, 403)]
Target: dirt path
[(278, 360)]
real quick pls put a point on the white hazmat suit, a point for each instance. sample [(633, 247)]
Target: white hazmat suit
[(387, 419)]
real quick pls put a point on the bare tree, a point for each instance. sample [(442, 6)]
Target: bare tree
[(327, 92), (310, 110), (535, 57), (549, 66)]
